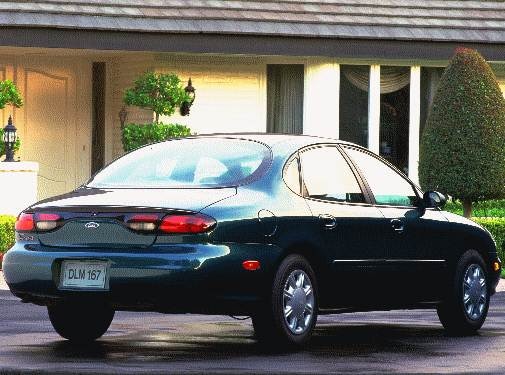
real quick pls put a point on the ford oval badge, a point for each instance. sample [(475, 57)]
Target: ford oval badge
[(91, 225)]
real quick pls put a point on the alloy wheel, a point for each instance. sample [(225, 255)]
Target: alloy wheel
[(298, 302), (474, 291)]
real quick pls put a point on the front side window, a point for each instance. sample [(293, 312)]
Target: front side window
[(387, 185), (190, 162), (327, 176)]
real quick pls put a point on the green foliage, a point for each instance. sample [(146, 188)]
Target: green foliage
[(6, 232), (496, 226), (9, 94), (2, 145), (161, 93), (462, 150), (490, 208), (137, 135)]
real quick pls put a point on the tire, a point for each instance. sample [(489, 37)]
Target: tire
[(80, 323), (271, 326), (465, 308)]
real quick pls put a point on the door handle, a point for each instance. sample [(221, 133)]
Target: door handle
[(397, 225), (328, 221)]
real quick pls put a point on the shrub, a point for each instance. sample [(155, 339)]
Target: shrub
[(161, 93), (6, 232), (462, 150), (137, 135)]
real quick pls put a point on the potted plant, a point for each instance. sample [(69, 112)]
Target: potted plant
[(163, 94)]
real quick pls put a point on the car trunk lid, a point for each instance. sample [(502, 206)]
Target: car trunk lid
[(102, 218)]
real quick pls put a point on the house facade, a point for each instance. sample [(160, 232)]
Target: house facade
[(362, 71)]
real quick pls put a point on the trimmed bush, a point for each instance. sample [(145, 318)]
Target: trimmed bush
[(137, 135), (161, 93), (6, 232), (462, 151)]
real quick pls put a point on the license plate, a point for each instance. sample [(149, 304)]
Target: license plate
[(83, 274)]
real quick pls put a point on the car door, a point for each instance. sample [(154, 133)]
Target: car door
[(348, 224), (415, 258)]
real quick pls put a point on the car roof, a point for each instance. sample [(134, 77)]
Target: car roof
[(288, 143), (272, 139)]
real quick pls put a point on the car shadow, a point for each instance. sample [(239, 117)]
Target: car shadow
[(237, 340)]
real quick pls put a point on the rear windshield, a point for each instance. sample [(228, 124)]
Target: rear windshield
[(189, 162)]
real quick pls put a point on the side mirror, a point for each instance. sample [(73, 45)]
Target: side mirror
[(433, 199)]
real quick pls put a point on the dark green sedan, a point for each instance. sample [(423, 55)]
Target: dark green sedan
[(280, 228)]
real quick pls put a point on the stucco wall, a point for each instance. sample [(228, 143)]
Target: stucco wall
[(230, 93)]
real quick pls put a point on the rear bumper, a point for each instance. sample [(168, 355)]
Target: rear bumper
[(201, 278)]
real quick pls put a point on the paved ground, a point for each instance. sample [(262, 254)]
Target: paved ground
[(400, 342)]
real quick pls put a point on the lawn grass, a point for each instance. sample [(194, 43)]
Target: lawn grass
[(491, 208)]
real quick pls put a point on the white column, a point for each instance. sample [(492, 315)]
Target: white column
[(414, 122), (374, 105), (321, 99)]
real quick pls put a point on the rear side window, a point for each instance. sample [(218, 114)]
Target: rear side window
[(292, 176), (387, 185), (190, 162), (327, 176)]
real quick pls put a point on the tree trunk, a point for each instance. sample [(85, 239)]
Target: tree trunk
[(467, 208), (157, 117)]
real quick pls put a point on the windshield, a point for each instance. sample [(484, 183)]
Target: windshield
[(188, 162)]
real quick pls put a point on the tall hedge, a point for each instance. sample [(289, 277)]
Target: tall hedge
[(462, 150)]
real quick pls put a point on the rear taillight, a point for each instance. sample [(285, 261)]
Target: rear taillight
[(186, 223), (143, 222), (46, 222), (24, 223)]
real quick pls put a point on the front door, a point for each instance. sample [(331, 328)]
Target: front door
[(54, 123), (351, 229), (414, 258)]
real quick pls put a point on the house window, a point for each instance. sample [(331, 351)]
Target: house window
[(394, 110), (285, 98), (354, 103), (394, 115)]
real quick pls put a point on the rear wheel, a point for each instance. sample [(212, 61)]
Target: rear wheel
[(465, 308), (292, 314), (79, 322)]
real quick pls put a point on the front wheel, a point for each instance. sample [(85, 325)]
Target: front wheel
[(465, 308), (292, 315), (79, 322)]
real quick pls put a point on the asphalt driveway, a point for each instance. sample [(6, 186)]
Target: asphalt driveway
[(400, 342)]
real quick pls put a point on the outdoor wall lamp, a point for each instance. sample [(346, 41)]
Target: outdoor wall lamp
[(185, 106), (123, 114), (9, 139)]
